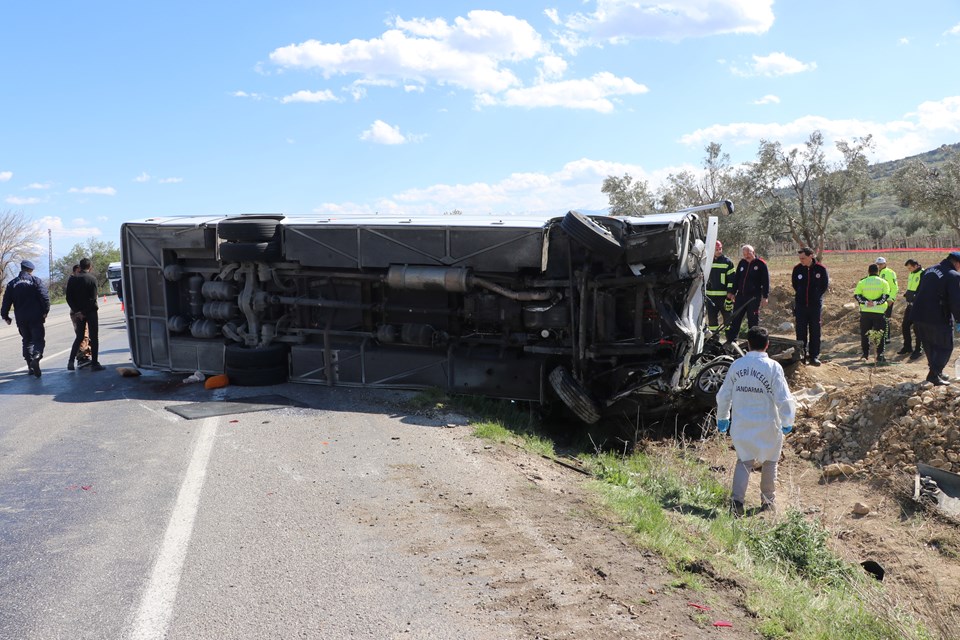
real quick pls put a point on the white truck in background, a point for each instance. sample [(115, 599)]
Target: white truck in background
[(114, 276)]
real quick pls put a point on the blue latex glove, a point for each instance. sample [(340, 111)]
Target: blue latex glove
[(786, 429), (723, 425)]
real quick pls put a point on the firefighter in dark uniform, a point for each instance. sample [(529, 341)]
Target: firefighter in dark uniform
[(719, 285), (810, 282), (935, 310), (751, 288), (28, 296), (911, 346)]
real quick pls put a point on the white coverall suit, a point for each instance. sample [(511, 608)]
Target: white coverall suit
[(756, 390)]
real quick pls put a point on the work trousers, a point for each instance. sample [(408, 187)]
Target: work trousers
[(33, 338), (937, 339), (91, 321), (84, 349), (872, 322), (908, 324), (887, 316), (752, 313), (768, 481), (808, 327), (716, 310)]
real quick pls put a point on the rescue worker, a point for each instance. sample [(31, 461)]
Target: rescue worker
[(890, 276), (872, 293), (810, 282), (913, 281), (935, 310), (28, 296), (751, 288), (756, 399), (719, 285)]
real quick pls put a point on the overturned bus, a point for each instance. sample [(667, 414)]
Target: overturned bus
[(603, 314)]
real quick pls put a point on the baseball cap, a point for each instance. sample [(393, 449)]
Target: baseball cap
[(881, 260), (954, 255), (719, 246), (27, 265)]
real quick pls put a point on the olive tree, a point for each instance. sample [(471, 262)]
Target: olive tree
[(933, 190), (100, 254), (18, 242), (628, 197), (800, 194)]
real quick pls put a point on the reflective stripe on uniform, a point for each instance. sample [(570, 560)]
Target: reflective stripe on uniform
[(872, 288)]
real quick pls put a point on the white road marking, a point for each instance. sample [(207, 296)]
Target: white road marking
[(42, 363), (156, 605)]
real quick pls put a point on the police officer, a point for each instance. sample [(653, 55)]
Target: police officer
[(872, 293), (719, 285), (913, 281), (810, 282), (890, 276), (28, 296), (935, 310), (751, 288)]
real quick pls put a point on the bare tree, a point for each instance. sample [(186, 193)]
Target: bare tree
[(800, 193), (935, 191), (18, 242)]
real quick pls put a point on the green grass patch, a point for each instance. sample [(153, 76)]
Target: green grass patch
[(492, 419), (797, 588)]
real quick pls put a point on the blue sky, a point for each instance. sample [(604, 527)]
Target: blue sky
[(116, 111)]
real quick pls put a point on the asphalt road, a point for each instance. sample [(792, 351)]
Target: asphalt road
[(120, 519)]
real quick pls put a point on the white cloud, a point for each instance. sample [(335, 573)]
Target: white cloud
[(768, 99), (918, 131), (619, 20), (143, 177), (102, 218), (5, 175), (16, 200), (552, 67), (575, 185), (553, 15), (310, 96), (468, 53), (39, 186), (903, 41), (773, 65), (953, 31), (96, 191), (169, 180), (592, 93), (244, 94), (55, 224), (382, 133), (79, 222)]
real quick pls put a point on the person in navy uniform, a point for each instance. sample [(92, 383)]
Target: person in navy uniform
[(810, 282), (936, 309), (751, 288), (31, 303)]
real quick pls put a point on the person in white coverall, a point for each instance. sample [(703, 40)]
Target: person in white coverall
[(755, 398)]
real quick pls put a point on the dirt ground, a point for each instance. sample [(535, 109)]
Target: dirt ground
[(881, 421), (551, 565)]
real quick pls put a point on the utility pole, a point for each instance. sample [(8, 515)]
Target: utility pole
[(49, 254)]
